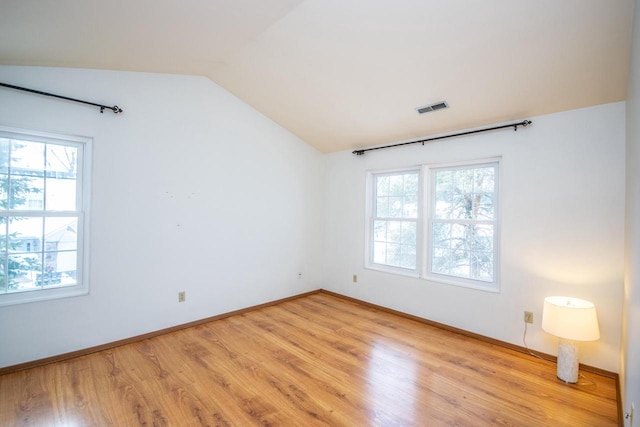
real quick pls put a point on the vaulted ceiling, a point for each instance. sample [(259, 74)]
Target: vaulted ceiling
[(344, 74)]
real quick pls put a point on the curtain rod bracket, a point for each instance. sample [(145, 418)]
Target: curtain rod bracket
[(115, 109)]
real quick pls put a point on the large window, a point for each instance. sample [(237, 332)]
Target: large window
[(459, 227), (43, 215)]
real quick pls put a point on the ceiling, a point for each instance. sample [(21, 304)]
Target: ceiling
[(346, 74)]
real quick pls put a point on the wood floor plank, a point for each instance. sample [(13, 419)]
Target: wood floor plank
[(318, 360)]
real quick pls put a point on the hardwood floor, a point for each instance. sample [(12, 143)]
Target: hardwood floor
[(313, 361)]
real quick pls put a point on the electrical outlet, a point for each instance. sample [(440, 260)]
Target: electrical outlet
[(182, 296), (528, 317), (355, 278)]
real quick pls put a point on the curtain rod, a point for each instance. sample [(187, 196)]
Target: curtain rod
[(523, 123), (115, 108)]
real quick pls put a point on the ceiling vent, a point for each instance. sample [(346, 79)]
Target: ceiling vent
[(433, 107)]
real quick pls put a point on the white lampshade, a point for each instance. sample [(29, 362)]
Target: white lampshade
[(570, 318)]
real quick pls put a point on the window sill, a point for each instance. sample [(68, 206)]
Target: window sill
[(469, 284), (391, 270), (479, 286), (15, 298)]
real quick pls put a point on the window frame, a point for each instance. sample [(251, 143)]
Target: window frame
[(371, 218), (424, 220), (83, 193), (429, 197)]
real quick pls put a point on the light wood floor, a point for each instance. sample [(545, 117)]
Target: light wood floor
[(313, 361)]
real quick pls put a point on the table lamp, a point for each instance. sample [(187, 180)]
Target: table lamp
[(570, 319)]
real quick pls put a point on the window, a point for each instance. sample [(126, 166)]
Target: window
[(460, 225), (395, 220), (43, 215)]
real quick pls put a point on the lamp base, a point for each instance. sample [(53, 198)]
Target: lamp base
[(567, 362)]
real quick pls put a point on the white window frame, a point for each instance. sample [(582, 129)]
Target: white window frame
[(83, 194), (424, 225), (428, 173), (370, 218)]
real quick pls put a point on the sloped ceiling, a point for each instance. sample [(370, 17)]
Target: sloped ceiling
[(345, 74)]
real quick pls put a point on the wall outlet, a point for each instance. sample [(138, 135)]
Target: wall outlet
[(355, 278), (182, 296), (528, 317)]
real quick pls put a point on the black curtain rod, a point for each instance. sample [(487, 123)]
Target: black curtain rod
[(523, 123), (115, 108)]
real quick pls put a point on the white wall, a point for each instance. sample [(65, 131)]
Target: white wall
[(562, 229), (631, 313), (192, 190)]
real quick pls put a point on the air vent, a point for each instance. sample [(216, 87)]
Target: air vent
[(433, 107)]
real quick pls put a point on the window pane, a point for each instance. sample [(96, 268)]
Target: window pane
[(408, 257), (444, 180), (484, 179), (61, 161), (410, 207), (25, 234), (463, 181), (5, 149), (458, 238), (482, 238), (444, 205), (441, 235), (61, 194), (382, 207), (460, 263), (4, 191), (464, 193), (397, 195), (394, 252), (411, 183), (461, 206), (59, 268), (382, 185), (26, 193), (4, 172), (25, 183), (60, 234), (3, 276), (396, 185), (380, 231), (440, 262), (27, 158), (409, 233), (482, 266), (395, 207), (483, 206), (23, 271), (380, 252), (394, 231)]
